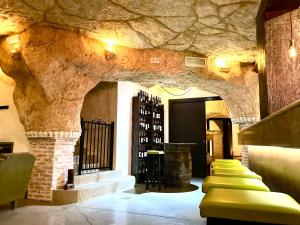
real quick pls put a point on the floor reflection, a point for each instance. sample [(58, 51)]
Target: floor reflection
[(174, 206)]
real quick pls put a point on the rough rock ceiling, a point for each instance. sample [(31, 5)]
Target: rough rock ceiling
[(210, 27)]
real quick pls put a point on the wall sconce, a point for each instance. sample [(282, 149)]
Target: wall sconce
[(13, 42), (292, 46), (222, 65), (109, 52), (292, 49)]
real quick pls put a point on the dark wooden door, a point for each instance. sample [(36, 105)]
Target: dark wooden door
[(187, 125)]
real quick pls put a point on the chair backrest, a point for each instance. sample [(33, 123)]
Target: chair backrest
[(15, 173)]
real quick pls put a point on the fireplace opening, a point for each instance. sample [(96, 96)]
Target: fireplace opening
[(6, 147)]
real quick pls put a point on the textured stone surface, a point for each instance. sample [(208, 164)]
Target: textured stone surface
[(283, 78), (50, 89), (56, 67), (209, 27)]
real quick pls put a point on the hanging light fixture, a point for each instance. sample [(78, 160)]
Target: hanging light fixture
[(292, 47)]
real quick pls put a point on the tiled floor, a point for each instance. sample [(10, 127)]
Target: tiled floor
[(123, 208)]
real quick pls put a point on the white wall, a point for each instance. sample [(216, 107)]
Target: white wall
[(11, 130), (126, 90)]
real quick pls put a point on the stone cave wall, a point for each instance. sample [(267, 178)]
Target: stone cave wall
[(50, 91), (101, 103), (283, 78)]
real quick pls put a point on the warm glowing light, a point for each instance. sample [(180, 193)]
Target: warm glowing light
[(13, 39), (292, 49), (109, 49), (110, 45), (220, 63), (14, 42)]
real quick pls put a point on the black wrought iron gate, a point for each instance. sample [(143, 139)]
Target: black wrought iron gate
[(96, 146)]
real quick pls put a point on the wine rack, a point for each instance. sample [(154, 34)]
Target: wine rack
[(147, 131)]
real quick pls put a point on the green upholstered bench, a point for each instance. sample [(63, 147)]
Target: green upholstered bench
[(234, 167), (15, 173), (221, 163), (227, 165), (227, 161), (211, 182), (236, 173), (232, 207)]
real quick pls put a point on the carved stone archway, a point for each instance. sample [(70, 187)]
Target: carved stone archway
[(55, 68)]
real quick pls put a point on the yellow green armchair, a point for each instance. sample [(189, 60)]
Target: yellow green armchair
[(15, 173)]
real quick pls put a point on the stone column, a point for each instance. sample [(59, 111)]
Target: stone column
[(245, 155), (54, 156), (245, 122)]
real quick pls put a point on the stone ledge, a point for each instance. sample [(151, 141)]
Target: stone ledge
[(279, 129), (53, 134), (92, 190), (245, 120)]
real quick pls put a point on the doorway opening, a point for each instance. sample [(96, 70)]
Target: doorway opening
[(219, 138), (187, 124), (94, 151)]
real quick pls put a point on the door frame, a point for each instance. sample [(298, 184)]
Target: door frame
[(227, 135), (192, 100), (202, 99)]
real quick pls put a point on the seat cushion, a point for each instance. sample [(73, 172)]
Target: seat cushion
[(248, 205), (227, 161), (230, 167), (227, 165), (236, 173), (233, 183)]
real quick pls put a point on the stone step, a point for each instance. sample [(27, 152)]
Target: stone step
[(90, 190), (87, 191), (96, 177)]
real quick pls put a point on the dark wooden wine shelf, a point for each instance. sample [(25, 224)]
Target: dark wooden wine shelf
[(153, 108)]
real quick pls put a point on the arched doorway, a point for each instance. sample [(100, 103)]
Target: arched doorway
[(219, 138), (95, 149)]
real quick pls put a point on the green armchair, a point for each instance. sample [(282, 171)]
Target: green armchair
[(15, 173)]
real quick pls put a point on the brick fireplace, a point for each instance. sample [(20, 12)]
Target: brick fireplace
[(54, 156)]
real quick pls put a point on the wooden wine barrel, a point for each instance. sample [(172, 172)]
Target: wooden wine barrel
[(178, 164)]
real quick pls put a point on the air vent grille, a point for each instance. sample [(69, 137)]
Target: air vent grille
[(194, 61)]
